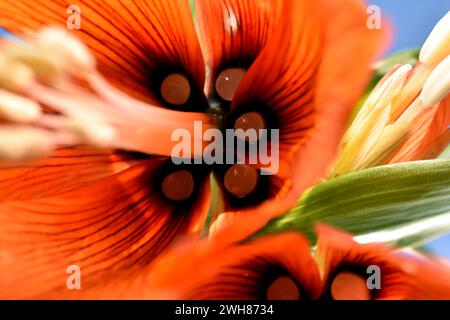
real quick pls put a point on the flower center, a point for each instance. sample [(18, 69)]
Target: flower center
[(349, 286), (228, 81), (283, 288), (240, 180), (178, 185), (250, 121), (175, 89)]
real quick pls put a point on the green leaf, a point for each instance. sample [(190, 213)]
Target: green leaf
[(445, 154), (403, 57), (411, 198)]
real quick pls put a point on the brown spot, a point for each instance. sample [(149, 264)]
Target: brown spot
[(283, 288), (250, 120), (350, 286), (178, 185), (175, 89), (228, 81), (240, 180)]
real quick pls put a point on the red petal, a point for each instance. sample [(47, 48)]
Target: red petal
[(337, 251), (66, 169), (312, 89), (430, 279), (135, 42), (232, 32), (236, 272), (110, 229)]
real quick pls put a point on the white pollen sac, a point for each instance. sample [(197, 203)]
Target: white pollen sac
[(14, 76), (21, 144), (17, 109), (66, 46), (437, 85), (46, 66)]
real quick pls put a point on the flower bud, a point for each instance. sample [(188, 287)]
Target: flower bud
[(437, 85), (437, 46)]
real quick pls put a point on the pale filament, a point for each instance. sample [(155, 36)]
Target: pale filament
[(103, 116)]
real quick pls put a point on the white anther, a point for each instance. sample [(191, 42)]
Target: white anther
[(21, 143), (46, 66), (62, 43), (15, 108), (14, 76)]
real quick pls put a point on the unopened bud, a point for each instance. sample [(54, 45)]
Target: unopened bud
[(437, 46), (391, 137), (437, 85), (381, 97)]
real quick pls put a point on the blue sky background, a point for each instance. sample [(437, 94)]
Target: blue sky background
[(413, 20)]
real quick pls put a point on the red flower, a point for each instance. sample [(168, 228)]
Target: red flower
[(281, 267), (108, 211)]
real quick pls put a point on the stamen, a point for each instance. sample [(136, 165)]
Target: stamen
[(97, 134), (99, 115), (23, 143), (241, 180), (18, 109), (228, 81), (178, 185), (47, 66), (14, 75), (62, 44), (251, 120), (283, 288), (349, 286), (175, 89)]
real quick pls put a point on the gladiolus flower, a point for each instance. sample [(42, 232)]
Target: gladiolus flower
[(407, 116), (108, 198)]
